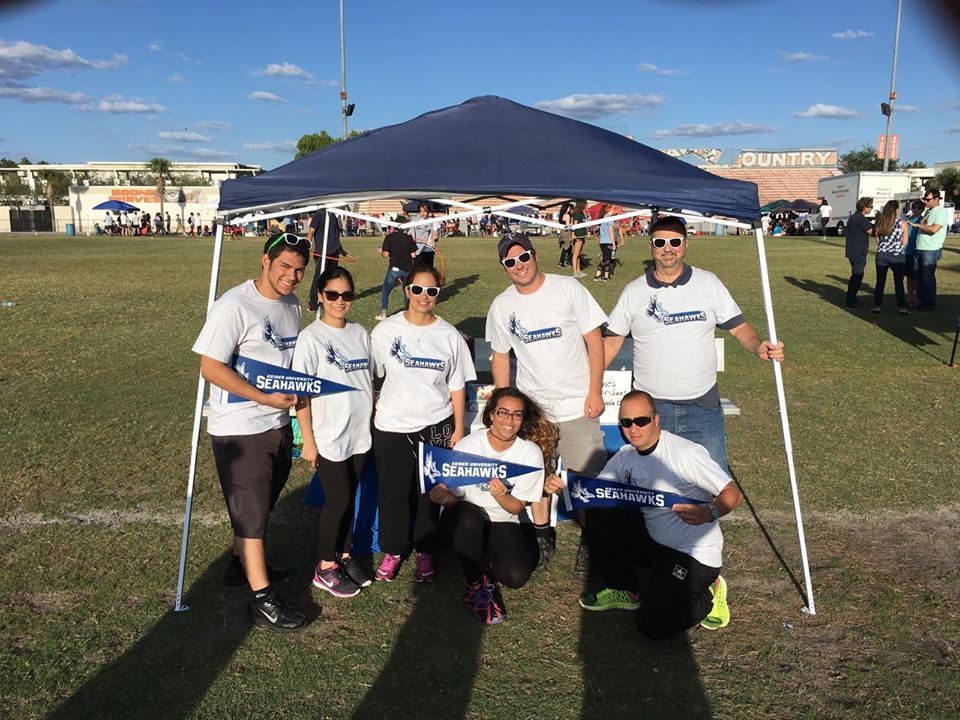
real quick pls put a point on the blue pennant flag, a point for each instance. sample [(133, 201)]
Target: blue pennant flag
[(581, 492), (456, 469), (275, 379)]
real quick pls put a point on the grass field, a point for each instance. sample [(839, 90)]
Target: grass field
[(97, 385)]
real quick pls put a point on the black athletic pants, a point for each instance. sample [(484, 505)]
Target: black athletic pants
[(339, 480), (675, 594), (396, 455), (509, 549)]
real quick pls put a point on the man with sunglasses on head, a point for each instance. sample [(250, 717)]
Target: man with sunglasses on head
[(672, 312), (250, 429), (676, 537), (931, 232), (552, 324)]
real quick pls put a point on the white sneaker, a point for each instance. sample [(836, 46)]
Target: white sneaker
[(381, 316)]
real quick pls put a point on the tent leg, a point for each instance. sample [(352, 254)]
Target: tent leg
[(784, 421), (195, 438)]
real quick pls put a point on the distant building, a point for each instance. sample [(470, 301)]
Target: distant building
[(123, 173)]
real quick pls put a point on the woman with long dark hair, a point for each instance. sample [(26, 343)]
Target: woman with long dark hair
[(892, 236)]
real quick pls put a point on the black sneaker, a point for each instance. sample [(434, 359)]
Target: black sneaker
[(355, 572), (234, 576), (582, 566), (272, 612), (548, 548)]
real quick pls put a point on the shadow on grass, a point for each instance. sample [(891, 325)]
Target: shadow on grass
[(169, 670), (625, 675), (434, 660)]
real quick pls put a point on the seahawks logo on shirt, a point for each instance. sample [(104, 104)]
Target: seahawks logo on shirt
[(271, 336), (656, 310), (399, 352), (339, 360), (529, 336)]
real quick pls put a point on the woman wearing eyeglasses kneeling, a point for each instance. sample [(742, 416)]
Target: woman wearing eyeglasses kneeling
[(425, 365), (336, 427), (491, 543)]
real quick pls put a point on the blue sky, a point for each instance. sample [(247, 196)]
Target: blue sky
[(241, 81)]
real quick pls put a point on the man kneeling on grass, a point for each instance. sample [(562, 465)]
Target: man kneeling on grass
[(679, 546)]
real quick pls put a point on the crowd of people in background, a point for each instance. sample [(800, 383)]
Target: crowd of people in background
[(134, 223)]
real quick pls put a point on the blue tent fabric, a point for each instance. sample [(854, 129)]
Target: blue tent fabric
[(490, 146), (118, 205)]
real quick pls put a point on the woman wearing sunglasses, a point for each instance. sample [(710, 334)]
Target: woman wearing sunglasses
[(425, 365), (336, 427), (491, 543)]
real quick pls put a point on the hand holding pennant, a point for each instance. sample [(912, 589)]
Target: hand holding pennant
[(275, 379), (582, 492), (457, 469)]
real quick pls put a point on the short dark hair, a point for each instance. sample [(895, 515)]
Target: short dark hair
[(424, 268), (332, 273), (639, 395), (864, 202), (933, 194), (278, 242), (672, 223), (916, 206)]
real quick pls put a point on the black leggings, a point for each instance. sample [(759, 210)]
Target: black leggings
[(397, 460), (510, 549), (606, 260), (339, 479)]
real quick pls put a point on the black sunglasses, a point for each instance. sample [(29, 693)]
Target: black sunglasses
[(430, 291), (928, 199), (662, 242), (522, 257), (288, 238), (641, 421), (333, 295)]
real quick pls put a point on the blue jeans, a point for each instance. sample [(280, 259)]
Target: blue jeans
[(926, 277), (697, 424), (889, 261), (389, 280)]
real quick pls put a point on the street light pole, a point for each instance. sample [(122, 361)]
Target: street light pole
[(893, 93), (343, 74)]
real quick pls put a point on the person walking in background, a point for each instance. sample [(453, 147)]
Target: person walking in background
[(322, 222), (336, 427), (825, 212), (859, 230), (190, 222), (578, 216), (426, 237), (910, 252), (166, 224), (931, 232), (608, 244), (891, 232), (399, 248)]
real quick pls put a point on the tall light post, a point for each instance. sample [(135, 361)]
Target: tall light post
[(343, 75), (887, 109)]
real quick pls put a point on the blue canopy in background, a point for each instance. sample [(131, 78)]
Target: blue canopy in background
[(491, 146), (118, 205)]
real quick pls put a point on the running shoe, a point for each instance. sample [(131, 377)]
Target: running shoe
[(273, 613), (355, 572), (582, 565), (548, 548), (720, 612), (425, 570), (389, 567), (483, 602), (610, 599), (381, 316), (335, 581)]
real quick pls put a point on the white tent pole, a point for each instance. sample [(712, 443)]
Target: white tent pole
[(323, 252), (195, 437), (784, 422)]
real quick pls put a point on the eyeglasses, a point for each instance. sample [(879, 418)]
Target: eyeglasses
[(660, 242), (503, 413), (332, 295), (929, 199), (288, 238), (522, 257), (420, 289), (640, 422)]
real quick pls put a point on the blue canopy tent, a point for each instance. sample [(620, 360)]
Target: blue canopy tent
[(490, 146), (117, 205)]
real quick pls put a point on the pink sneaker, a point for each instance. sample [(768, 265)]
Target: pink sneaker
[(389, 567), (425, 571), (482, 600)]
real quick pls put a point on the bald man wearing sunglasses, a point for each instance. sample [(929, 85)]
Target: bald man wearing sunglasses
[(672, 312)]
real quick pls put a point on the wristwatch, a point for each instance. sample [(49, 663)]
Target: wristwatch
[(714, 512)]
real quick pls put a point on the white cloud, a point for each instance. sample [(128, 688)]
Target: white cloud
[(120, 104), (176, 79), (213, 125), (827, 111), (286, 146), (801, 57), (590, 106), (184, 151), (183, 136), (265, 96), (954, 129), (284, 69), (45, 95), (715, 129), (21, 60), (187, 58), (154, 47), (851, 35), (906, 108), (657, 70)]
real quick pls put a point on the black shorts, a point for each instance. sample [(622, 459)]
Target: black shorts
[(253, 470)]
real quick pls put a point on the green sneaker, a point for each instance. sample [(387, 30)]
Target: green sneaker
[(720, 613), (610, 599)]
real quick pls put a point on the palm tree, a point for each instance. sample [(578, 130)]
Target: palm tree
[(161, 168)]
